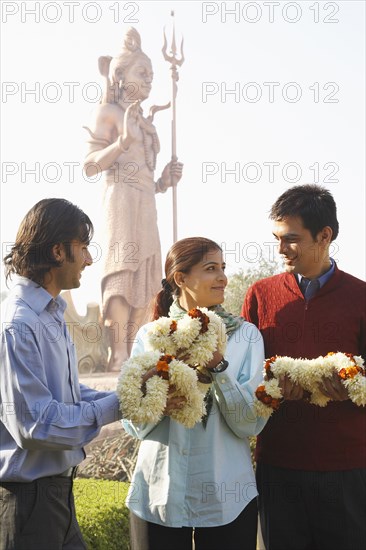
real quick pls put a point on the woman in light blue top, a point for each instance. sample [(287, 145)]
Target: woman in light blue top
[(200, 479)]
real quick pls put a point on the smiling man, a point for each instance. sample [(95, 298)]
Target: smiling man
[(311, 470), (46, 416)]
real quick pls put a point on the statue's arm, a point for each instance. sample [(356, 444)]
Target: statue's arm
[(105, 145)]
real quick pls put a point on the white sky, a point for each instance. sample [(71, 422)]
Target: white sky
[(310, 51)]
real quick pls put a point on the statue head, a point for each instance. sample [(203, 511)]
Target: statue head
[(129, 73)]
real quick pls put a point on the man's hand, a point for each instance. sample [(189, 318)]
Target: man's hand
[(333, 388), (290, 390)]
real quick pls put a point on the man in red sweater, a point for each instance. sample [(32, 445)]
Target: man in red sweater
[(311, 460)]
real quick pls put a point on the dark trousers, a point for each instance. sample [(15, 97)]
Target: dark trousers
[(240, 534), (301, 510), (39, 515)]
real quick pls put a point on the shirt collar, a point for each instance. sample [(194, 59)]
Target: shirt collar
[(323, 278), (36, 296)]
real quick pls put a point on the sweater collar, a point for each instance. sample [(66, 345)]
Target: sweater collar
[(323, 278), (290, 281)]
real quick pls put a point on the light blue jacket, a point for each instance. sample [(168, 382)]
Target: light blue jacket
[(202, 477)]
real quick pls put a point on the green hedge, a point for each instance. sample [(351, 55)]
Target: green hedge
[(102, 514)]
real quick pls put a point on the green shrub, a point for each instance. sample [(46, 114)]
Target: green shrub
[(102, 514)]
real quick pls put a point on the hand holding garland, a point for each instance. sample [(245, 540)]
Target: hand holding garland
[(173, 401), (337, 376), (291, 391), (334, 388), (330, 387)]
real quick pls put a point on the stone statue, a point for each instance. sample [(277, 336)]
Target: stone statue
[(124, 144)]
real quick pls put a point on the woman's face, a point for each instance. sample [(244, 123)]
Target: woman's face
[(205, 284), (136, 79)]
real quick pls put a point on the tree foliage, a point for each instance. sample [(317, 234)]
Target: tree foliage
[(239, 283)]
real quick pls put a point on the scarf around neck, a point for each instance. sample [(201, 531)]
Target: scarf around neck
[(231, 321)]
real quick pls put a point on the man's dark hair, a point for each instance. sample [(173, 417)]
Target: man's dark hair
[(314, 204), (49, 222)]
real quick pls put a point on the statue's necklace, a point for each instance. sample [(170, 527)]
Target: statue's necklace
[(151, 152)]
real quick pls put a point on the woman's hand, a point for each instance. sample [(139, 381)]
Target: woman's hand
[(217, 357), (174, 402), (148, 374)]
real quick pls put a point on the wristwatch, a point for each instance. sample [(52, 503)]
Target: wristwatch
[(220, 367)]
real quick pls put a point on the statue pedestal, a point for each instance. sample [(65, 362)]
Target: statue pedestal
[(88, 335)]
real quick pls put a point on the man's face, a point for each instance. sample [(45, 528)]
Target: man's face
[(300, 252), (68, 275)]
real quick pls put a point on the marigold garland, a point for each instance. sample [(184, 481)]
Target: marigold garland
[(308, 373), (178, 351)]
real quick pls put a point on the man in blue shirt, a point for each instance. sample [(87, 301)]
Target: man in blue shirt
[(46, 416)]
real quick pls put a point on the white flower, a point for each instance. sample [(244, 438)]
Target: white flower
[(272, 388), (262, 410), (188, 330), (357, 389), (159, 336), (183, 377), (192, 412)]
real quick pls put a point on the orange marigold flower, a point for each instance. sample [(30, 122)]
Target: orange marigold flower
[(168, 358), (342, 374), (267, 367), (196, 313), (162, 366), (259, 392), (163, 363), (349, 372), (173, 327)]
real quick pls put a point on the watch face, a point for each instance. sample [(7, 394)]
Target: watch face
[(221, 366)]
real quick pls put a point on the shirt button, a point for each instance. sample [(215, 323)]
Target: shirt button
[(223, 380), (185, 452)]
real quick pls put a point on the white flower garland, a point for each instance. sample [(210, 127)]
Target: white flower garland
[(308, 373), (194, 337)]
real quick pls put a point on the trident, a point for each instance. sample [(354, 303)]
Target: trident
[(175, 77)]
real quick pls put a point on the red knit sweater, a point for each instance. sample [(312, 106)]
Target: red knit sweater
[(300, 435)]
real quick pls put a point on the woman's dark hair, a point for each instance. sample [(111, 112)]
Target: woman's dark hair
[(314, 204), (49, 222), (182, 256)]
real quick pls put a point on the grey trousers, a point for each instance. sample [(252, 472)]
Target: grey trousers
[(39, 515)]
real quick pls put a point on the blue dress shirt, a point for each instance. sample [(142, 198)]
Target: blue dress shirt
[(46, 416), (310, 287)]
